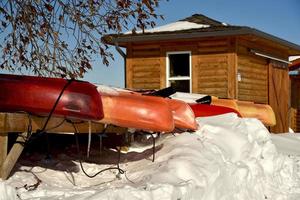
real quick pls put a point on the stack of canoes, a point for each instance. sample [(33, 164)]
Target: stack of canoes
[(124, 108), (246, 109)]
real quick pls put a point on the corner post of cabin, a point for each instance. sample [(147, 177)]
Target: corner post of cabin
[(3, 139), (232, 81), (129, 67), (162, 63)]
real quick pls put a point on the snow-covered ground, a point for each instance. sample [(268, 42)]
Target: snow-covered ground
[(227, 158)]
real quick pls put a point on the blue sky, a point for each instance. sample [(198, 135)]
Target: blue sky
[(277, 17)]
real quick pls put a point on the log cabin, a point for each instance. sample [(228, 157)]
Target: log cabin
[(294, 69), (202, 55)]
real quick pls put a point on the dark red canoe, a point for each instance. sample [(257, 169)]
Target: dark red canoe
[(37, 95), (206, 110)]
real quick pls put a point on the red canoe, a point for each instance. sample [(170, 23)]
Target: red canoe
[(205, 110), (37, 95), (133, 110)]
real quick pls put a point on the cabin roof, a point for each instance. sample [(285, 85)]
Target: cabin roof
[(295, 65), (195, 26)]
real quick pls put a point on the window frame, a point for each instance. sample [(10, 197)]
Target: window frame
[(168, 78)]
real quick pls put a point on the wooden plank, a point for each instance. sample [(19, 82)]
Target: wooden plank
[(232, 76), (219, 58), (253, 81), (254, 76), (3, 147), (251, 70), (207, 43), (149, 86), (214, 78), (212, 90), (195, 68), (211, 72), (143, 68), (279, 97), (13, 156), (147, 80), (253, 92), (129, 68), (262, 87), (3, 138), (213, 66), (255, 60), (146, 74), (146, 61), (16, 122), (256, 99), (163, 69), (203, 50)]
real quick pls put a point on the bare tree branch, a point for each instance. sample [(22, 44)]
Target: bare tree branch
[(60, 37)]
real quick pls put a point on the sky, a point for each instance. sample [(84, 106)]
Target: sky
[(280, 18)]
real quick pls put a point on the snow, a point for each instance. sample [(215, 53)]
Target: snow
[(175, 26), (292, 58), (228, 158), (187, 97)]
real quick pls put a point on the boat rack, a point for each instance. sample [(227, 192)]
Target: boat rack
[(19, 123)]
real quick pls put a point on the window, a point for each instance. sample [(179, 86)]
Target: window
[(179, 70)]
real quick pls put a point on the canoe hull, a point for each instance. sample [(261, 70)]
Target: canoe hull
[(205, 110), (263, 112), (132, 110), (37, 95), (183, 115)]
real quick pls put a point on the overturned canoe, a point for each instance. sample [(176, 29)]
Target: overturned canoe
[(132, 110), (205, 110), (183, 115), (229, 103), (263, 112), (38, 96)]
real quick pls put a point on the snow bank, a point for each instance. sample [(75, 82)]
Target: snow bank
[(7, 192), (227, 158)]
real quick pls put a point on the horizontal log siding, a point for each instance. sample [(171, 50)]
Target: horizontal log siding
[(145, 66), (254, 79), (212, 75), (295, 119)]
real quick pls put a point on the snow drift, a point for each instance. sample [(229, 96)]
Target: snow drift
[(226, 158)]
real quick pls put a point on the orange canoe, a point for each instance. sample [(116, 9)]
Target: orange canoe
[(263, 112), (128, 109), (229, 103), (183, 115)]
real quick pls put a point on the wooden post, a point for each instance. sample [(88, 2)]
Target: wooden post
[(3, 147), (3, 139), (13, 156)]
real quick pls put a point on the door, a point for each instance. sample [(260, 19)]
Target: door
[(279, 96)]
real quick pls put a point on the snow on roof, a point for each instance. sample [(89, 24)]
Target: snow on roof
[(175, 26), (292, 58)]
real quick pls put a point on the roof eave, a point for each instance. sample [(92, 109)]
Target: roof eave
[(123, 39)]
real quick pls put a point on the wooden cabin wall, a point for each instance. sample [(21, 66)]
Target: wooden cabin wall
[(295, 92), (265, 80), (143, 66), (216, 68), (253, 71), (213, 65), (295, 103)]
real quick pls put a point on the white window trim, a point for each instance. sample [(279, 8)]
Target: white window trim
[(168, 78)]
